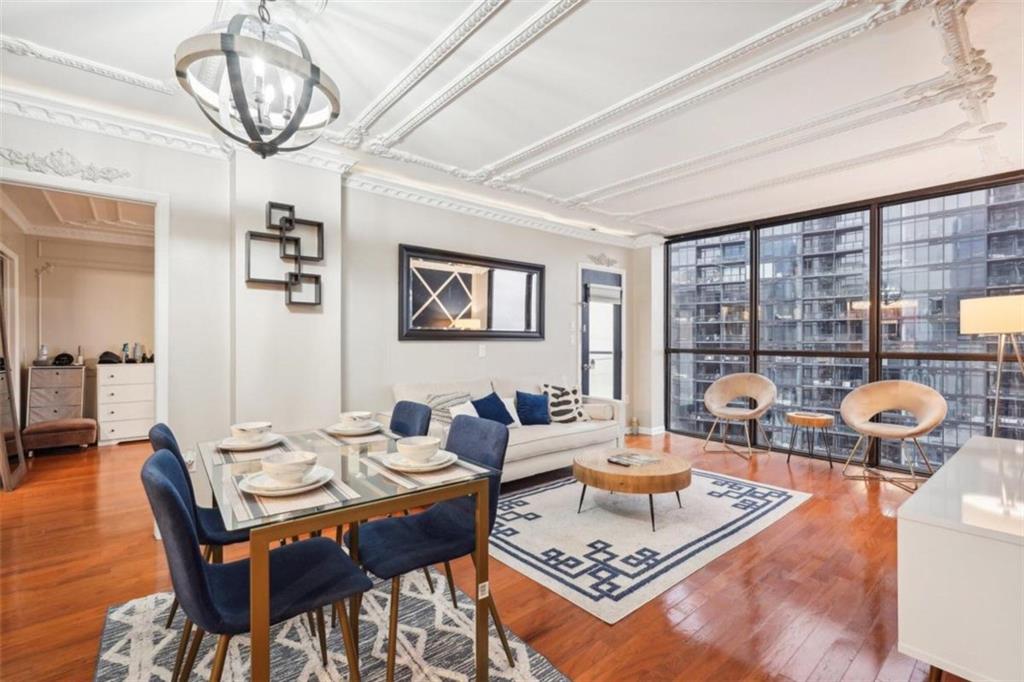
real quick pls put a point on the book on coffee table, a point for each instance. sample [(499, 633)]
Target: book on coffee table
[(632, 459)]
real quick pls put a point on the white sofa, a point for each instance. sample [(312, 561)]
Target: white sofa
[(536, 448)]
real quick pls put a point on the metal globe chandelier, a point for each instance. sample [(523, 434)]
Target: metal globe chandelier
[(256, 82)]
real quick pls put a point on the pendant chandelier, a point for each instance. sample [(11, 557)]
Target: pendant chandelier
[(256, 82)]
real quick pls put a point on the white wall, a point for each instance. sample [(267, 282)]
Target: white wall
[(287, 360), (374, 358), (647, 301)]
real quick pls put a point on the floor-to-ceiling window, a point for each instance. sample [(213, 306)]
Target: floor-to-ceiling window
[(793, 299)]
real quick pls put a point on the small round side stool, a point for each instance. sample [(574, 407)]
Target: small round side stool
[(810, 422)]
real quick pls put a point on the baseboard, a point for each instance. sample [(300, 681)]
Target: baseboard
[(651, 430)]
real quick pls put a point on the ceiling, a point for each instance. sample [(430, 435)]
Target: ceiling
[(52, 213), (621, 118)]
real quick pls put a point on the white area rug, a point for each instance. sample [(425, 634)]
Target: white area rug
[(606, 559)]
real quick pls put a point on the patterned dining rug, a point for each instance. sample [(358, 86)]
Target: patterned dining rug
[(435, 642), (606, 559)]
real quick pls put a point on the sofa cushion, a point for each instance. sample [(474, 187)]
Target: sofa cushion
[(600, 411), (506, 388), (476, 388), (532, 408), (566, 403), (490, 407), (541, 439), (440, 405)]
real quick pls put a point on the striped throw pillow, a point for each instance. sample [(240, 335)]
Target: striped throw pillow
[(565, 403), (442, 404)]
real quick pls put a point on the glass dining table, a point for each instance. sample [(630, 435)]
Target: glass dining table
[(362, 488)]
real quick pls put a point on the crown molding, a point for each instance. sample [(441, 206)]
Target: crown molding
[(26, 48), (534, 27), (25, 105), (396, 189), (648, 240), (875, 17), (963, 134), (449, 41), (666, 87), (63, 163), (88, 234)]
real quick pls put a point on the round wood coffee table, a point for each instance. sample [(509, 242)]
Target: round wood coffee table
[(670, 474)]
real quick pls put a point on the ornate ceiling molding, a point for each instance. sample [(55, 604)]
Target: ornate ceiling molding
[(63, 163), (666, 87), (878, 15), (26, 48), (72, 116), (964, 134), (884, 107), (395, 189), (466, 25), (536, 26)]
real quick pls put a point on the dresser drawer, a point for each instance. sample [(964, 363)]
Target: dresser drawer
[(45, 414), (125, 430), (115, 375), (126, 393), (54, 378), (119, 411), (46, 397)]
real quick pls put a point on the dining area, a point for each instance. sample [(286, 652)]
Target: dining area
[(325, 516)]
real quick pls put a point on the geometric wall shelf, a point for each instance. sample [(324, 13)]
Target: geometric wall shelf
[(287, 240)]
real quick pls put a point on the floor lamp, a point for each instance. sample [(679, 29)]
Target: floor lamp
[(999, 315)]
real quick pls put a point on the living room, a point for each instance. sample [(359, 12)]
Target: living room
[(712, 312)]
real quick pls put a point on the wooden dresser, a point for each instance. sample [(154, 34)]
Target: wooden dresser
[(124, 401), (960, 564), (55, 393)]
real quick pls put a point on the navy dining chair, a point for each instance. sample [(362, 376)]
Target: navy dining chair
[(209, 523), (410, 419), (304, 576), (392, 547)]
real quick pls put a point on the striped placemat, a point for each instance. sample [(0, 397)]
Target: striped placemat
[(248, 507)]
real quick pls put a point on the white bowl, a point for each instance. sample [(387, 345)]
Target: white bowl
[(354, 418), (250, 432), (418, 448), (289, 467)]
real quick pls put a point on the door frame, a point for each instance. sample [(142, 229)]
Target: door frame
[(623, 372), (161, 258), (14, 329)]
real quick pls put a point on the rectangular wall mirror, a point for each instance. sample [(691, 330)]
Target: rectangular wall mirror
[(447, 295), (12, 454)]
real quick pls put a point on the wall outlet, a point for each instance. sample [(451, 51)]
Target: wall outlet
[(481, 350)]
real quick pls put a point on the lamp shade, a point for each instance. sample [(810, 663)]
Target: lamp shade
[(992, 315)]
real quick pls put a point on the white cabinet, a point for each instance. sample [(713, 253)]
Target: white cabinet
[(960, 564), (123, 402), (55, 393)]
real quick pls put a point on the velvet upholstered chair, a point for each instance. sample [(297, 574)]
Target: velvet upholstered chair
[(862, 404), (390, 548), (738, 386), (410, 419), (209, 524), (304, 576)]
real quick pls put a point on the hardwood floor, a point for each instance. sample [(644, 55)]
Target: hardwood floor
[(813, 597)]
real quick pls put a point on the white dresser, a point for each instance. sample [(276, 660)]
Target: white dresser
[(123, 402), (960, 564), (55, 393)]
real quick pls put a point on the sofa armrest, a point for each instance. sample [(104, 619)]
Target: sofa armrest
[(618, 407)]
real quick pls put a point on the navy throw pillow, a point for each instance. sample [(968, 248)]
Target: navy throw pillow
[(532, 408), (491, 407)]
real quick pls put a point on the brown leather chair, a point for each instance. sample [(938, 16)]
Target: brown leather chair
[(741, 385), (927, 406)]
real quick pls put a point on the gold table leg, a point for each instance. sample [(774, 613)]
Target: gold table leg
[(259, 611), (483, 588)]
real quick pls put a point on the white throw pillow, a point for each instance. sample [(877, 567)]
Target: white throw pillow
[(599, 411), (510, 405), (565, 404), (463, 408)]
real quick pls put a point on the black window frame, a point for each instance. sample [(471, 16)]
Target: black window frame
[(874, 353)]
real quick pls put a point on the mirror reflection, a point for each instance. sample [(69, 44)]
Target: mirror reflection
[(12, 455), (453, 295)]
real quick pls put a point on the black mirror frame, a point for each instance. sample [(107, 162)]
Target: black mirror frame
[(406, 332)]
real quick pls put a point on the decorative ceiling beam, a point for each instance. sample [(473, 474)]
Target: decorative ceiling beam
[(666, 87), (878, 15), (26, 48), (447, 43), (534, 27)]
